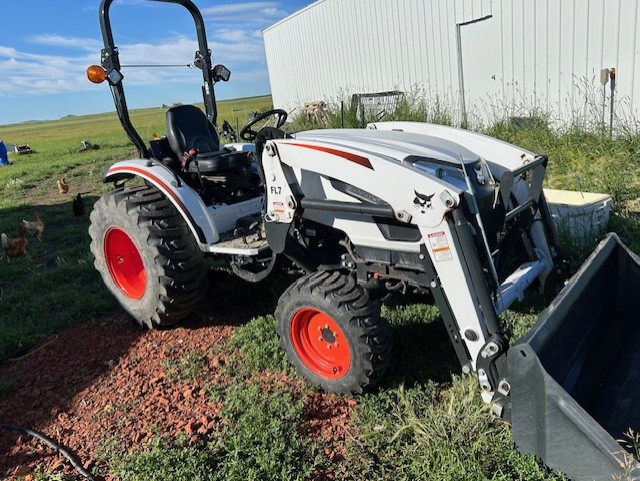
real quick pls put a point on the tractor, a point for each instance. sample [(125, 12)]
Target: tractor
[(397, 207)]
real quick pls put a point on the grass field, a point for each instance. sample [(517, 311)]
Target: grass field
[(423, 422)]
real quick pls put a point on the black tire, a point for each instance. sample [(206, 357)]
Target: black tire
[(147, 256), (320, 310)]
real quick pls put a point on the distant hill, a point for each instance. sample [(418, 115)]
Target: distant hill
[(238, 102)]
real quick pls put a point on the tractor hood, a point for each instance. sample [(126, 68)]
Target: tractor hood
[(393, 144)]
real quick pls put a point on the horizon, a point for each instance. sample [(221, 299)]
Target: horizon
[(44, 66), (130, 109)]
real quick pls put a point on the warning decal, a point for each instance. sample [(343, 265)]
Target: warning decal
[(440, 247)]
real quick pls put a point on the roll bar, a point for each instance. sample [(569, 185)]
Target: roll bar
[(110, 62)]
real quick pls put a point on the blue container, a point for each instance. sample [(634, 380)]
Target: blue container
[(4, 160)]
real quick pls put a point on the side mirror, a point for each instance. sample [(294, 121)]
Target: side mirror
[(220, 72)]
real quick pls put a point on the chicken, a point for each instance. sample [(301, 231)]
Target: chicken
[(35, 227), (63, 187), (78, 206), (15, 247)]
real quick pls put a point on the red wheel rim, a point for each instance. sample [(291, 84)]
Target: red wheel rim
[(320, 343), (124, 263)]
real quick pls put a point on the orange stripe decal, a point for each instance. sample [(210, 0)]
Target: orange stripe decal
[(145, 173), (357, 159), (154, 178)]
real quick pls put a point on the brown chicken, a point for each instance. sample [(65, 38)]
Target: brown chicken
[(63, 187), (35, 227), (15, 247)]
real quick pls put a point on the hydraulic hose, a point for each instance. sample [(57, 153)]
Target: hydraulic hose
[(73, 459)]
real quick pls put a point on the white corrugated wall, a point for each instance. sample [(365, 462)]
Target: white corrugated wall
[(530, 53)]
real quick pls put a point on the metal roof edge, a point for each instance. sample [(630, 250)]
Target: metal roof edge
[(297, 12)]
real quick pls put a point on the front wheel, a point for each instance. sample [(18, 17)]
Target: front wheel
[(147, 255), (333, 333)]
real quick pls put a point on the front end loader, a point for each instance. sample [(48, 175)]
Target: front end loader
[(414, 207)]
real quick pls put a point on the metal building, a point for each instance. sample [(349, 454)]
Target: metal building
[(512, 56)]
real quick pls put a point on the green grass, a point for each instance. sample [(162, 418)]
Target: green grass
[(258, 441), (55, 285), (434, 432), (262, 439), (52, 477), (176, 460), (422, 422), (265, 355), (190, 366)]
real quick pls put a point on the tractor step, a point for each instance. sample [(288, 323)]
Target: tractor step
[(234, 243)]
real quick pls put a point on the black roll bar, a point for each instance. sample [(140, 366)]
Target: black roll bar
[(110, 61)]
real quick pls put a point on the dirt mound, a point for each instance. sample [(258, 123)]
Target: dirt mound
[(111, 382)]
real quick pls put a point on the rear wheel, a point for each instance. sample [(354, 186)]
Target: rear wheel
[(147, 256), (333, 333)]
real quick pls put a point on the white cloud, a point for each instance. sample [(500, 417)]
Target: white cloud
[(176, 50), (231, 35), (9, 52), (244, 13), (26, 73), (235, 8), (89, 44), (234, 34)]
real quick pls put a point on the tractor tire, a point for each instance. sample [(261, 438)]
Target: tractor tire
[(332, 332), (147, 256)]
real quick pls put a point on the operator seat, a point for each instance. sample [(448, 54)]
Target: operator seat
[(189, 128)]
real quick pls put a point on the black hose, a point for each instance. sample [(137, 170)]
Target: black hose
[(73, 459)]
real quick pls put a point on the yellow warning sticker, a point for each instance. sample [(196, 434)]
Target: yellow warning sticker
[(440, 247)]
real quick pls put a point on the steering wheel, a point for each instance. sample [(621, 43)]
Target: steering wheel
[(249, 135)]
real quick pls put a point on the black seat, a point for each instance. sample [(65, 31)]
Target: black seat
[(189, 128)]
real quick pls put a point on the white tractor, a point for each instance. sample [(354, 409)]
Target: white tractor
[(397, 207)]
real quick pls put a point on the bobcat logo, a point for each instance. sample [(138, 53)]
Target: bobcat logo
[(422, 202)]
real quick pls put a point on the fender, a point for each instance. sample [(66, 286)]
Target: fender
[(183, 197)]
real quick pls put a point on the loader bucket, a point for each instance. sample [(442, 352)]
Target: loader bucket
[(575, 377)]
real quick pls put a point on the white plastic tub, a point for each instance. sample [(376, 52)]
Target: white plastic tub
[(584, 216)]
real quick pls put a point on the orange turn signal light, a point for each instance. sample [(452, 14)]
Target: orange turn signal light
[(96, 74)]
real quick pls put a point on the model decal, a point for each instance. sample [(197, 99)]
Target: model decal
[(357, 159)]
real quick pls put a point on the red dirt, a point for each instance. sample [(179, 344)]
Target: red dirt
[(100, 382)]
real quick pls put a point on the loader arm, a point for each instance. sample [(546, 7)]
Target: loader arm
[(507, 163)]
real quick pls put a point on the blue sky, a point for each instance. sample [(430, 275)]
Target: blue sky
[(46, 46)]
